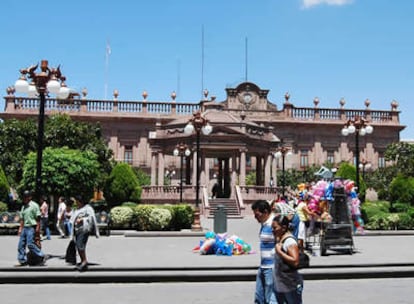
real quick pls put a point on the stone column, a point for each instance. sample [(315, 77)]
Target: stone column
[(153, 169), (242, 175), (268, 166), (160, 169)]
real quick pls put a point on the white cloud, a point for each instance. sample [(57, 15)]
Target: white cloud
[(310, 3)]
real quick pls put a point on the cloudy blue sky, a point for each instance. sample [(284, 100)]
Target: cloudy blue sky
[(355, 49)]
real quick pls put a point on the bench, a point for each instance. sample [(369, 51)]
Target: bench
[(9, 222), (102, 219)]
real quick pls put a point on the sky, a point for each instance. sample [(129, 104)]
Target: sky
[(330, 49)]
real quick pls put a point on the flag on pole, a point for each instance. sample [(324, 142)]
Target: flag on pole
[(108, 48)]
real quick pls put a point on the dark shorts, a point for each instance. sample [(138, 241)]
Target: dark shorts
[(81, 239)]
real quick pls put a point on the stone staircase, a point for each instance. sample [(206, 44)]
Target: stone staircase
[(230, 205)]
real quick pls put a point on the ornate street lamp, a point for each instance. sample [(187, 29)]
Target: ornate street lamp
[(282, 152), (169, 174), (361, 127), (199, 124), (48, 80), (181, 150), (364, 165)]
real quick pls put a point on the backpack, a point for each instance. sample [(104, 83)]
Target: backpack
[(303, 258)]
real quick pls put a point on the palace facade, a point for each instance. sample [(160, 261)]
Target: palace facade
[(247, 129)]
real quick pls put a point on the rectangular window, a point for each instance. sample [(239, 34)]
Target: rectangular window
[(128, 155), (381, 162), (331, 157), (304, 158)]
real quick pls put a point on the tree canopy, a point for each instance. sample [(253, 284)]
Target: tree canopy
[(65, 172), (19, 137)]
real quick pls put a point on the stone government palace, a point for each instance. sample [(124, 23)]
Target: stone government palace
[(247, 129)]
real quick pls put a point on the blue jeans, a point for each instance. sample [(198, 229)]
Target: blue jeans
[(27, 238), (68, 228), (265, 293)]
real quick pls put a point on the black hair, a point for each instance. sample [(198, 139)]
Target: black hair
[(262, 206), (282, 220)]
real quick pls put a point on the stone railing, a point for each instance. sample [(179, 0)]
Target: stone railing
[(114, 107)]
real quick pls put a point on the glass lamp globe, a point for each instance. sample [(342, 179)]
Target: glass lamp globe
[(362, 132), (32, 91), (63, 93), (187, 152), (278, 154), (21, 86), (53, 86), (351, 129), (189, 128), (345, 132), (176, 152), (207, 129), (369, 129)]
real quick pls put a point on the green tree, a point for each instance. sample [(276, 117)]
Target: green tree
[(144, 179), (65, 171), (19, 137), (122, 186), (402, 190), (348, 171), (4, 187), (402, 156)]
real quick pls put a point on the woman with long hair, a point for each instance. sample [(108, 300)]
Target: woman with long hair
[(288, 281)]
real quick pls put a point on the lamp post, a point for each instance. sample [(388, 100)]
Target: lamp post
[(48, 80), (169, 175), (199, 124), (282, 152), (361, 127), (181, 150), (364, 165)]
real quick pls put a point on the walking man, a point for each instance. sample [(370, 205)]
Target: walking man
[(60, 217), (265, 293), (29, 231)]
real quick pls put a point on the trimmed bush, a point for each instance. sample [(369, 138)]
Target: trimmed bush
[(131, 205), (159, 219), (142, 215), (182, 217), (121, 217)]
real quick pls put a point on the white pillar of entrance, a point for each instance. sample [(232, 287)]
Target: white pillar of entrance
[(153, 169), (268, 165), (160, 169), (242, 177), (233, 175), (274, 170)]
